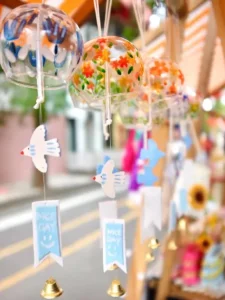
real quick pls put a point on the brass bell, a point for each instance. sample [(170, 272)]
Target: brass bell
[(51, 289), (172, 245), (115, 289), (182, 224), (149, 257), (153, 244), (113, 267)]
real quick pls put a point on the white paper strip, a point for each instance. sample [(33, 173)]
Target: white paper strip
[(107, 210), (151, 211)]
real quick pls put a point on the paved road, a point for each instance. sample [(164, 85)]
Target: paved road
[(82, 276)]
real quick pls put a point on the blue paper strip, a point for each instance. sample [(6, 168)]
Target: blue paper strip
[(48, 238)]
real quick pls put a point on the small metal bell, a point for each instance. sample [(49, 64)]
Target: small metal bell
[(172, 245), (182, 224), (51, 289), (154, 243), (149, 257), (115, 289), (113, 267)]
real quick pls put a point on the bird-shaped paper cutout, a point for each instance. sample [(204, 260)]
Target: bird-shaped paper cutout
[(148, 178), (188, 141), (39, 147), (152, 153), (108, 176)]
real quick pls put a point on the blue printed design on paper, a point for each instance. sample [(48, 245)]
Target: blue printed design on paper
[(151, 155), (183, 202), (48, 241), (100, 167), (114, 243)]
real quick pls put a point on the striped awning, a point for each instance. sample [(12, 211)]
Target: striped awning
[(193, 45), (79, 10)]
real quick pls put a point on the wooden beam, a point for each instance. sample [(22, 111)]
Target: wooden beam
[(219, 10), (207, 57), (80, 9), (151, 35), (11, 3)]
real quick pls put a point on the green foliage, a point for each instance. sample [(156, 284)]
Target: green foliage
[(155, 3), (130, 32)]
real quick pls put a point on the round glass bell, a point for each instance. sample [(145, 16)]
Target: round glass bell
[(111, 67), (38, 28), (165, 78)]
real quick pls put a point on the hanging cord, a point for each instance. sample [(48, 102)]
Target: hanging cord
[(139, 11), (107, 16), (107, 118), (97, 14), (40, 79)]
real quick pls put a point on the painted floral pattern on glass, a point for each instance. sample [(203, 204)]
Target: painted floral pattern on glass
[(118, 56), (166, 79)]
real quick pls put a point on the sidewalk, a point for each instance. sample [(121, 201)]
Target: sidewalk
[(57, 184)]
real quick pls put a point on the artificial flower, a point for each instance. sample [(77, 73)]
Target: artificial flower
[(205, 242), (198, 196)]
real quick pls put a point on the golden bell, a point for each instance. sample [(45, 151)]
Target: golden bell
[(153, 244), (115, 289), (172, 245), (51, 289), (182, 224), (149, 257), (113, 267)]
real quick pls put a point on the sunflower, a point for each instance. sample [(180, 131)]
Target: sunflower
[(198, 196), (205, 242)]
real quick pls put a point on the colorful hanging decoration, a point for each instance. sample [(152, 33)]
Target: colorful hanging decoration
[(40, 47), (129, 156), (47, 231), (212, 273), (165, 77), (151, 155), (125, 70), (191, 265), (108, 176), (39, 147)]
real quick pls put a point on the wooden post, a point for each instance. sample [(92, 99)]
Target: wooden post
[(138, 263), (219, 10)]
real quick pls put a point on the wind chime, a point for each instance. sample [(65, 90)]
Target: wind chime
[(40, 48)]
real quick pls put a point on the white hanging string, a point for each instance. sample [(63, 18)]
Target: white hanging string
[(40, 80), (97, 14), (107, 16), (107, 118), (139, 6), (139, 11)]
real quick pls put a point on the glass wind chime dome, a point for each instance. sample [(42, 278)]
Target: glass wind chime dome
[(111, 66), (32, 28)]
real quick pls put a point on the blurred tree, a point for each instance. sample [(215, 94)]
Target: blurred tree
[(22, 100)]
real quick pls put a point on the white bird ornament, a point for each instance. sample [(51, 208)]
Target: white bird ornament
[(109, 177), (39, 147)]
